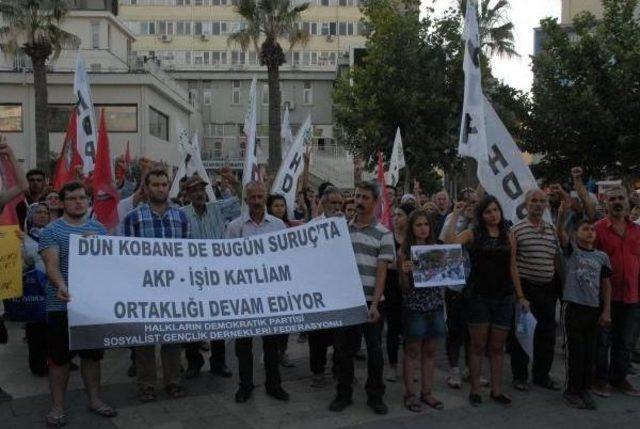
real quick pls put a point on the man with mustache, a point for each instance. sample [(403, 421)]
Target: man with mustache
[(619, 238), (536, 249)]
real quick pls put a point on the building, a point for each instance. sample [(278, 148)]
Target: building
[(188, 39), (142, 104)]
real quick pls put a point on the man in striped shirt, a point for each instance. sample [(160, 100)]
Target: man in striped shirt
[(374, 250), (536, 250)]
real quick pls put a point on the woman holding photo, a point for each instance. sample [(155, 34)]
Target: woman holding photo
[(489, 291), (423, 323)]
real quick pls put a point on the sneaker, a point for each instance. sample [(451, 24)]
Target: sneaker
[(391, 374), (588, 400), (340, 403), (484, 382), (627, 388), (601, 389), (319, 381), (454, 380), (4, 396), (574, 400), (378, 406)]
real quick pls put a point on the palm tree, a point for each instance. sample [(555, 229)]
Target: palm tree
[(496, 31), (267, 22), (33, 27)]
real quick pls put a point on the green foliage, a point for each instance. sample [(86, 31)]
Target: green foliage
[(586, 95), (412, 78)]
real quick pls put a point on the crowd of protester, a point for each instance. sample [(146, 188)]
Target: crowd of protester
[(582, 262)]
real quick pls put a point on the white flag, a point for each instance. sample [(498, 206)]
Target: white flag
[(503, 173), (285, 133), (472, 134), (286, 180), (191, 163), (397, 160), (87, 130), (251, 168)]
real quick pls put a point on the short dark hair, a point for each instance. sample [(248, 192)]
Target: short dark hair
[(155, 172), (69, 187), (371, 186), (323, 187), (582, 220), (35, 172)]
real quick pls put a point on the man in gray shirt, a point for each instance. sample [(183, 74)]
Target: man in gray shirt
[(207, 221), (257, 221)]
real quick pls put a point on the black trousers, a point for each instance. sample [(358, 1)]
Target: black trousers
[(319, 343), (393, 310), (543, 299), (244, 353), (457, 332), (347, 344), (36, 333), (196, 360), (581, 327)]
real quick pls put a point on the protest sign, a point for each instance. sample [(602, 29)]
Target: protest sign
[(10, 262), (86, 119), (129, 291), (435, 266), (525, 330)]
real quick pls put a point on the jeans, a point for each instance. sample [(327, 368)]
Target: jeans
[(543, 300), (319, 342), (616, 342), (195, 359), (244, 353), (581, 326), (347, 344)]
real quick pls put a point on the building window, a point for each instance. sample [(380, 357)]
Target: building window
[(324, 28), (265, 94), (158, 124), (11, 118), (95, 35), (206, 97), (342, 28), (193, 96), (237, 57), (324, 2), (197, 28), (118, 118), (183, 28), (235, 92), (307, 94)]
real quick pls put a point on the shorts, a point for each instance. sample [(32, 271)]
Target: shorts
[(494, 312), (420, 325), (58, 341)]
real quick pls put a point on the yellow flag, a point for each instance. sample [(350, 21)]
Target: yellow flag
[(10, 262)]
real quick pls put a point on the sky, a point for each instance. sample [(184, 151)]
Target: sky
[(525, 15)]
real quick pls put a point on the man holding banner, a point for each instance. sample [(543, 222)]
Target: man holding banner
[(54, 248), (157, 219), (257, 221), (374, 250)]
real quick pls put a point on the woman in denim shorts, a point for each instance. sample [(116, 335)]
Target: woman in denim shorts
[(423, 317), (489, 291)]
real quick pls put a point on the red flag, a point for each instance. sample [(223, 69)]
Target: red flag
[(124, 167), (69, 160), (383, 211), (8, 179), (105, 195)]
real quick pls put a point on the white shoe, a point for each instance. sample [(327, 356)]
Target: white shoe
[(454, 379)]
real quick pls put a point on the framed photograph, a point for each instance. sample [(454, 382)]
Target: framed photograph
[(439, 265)]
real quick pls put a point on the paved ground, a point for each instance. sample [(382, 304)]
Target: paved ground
[(210, 403)]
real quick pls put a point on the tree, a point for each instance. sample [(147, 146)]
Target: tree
[(412, 77), (267, 22), (496, 31), (586, 95), (33, 27)]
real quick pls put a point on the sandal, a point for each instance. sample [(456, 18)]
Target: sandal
[(104, 410), (431, 401), (501, 399), (175, 391), (147, 394), (412, 404), (521, 385), (56, 418)]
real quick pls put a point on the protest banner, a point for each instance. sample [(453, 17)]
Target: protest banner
[(129, 291), (10, 262), (285, 133), (86, 119), (439, 265)]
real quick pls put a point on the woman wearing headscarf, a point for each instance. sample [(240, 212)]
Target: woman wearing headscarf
[(37, 218)]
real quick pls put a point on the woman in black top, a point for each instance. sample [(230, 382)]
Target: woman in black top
[(493, 277)]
